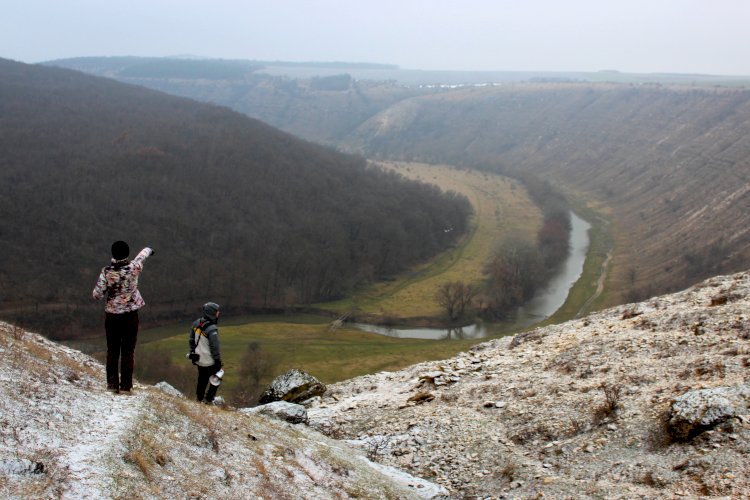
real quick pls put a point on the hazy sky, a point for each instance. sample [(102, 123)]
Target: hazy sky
[(685, 36)]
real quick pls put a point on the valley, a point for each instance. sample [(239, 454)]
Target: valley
[(335, 352), (663, 156), (502, 210)]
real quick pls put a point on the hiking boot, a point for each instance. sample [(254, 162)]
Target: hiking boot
[(126, 392), (113, 389)]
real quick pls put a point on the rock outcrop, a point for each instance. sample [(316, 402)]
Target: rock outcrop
[(591, 408), (294, 386), (703, 409)]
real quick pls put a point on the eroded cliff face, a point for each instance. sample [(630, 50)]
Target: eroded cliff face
[(670, 166), (646, 399)]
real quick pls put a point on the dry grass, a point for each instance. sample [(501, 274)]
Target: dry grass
[(138, 458), (612, 403), (145, 450)]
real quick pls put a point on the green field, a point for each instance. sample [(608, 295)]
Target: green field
[(306, 343)]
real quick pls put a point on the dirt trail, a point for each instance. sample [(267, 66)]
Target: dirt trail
[(599, 286)]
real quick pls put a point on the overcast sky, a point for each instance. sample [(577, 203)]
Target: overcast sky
[(682, 36)]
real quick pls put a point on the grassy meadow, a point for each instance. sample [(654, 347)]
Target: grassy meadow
[(307, 343), (502, 210)]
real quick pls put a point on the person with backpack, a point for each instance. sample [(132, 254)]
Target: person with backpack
[(118, 282), (205, 352)]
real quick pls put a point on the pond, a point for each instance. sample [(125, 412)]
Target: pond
[(543, 305)]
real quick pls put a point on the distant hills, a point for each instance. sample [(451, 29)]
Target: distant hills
[(285, 94), (665, 157), (238, 212), (669, 166)]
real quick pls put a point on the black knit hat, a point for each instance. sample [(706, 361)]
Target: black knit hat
[(120, 250)]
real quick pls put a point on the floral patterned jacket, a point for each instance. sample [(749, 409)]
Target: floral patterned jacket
[(119, 283)]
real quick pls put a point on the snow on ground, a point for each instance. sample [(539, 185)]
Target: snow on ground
[(62, 435)]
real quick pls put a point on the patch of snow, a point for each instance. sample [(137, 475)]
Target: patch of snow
[(422, 487)]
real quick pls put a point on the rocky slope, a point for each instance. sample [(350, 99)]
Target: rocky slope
[(63, 436), (643, 400)]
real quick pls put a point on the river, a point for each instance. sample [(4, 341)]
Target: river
[(543, 305)]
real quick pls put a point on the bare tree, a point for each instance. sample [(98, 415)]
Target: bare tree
[(455, 297), (256, 366)]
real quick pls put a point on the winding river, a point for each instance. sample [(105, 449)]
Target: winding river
[(544, 303)]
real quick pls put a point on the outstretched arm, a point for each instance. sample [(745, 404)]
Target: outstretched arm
[(137, 263)]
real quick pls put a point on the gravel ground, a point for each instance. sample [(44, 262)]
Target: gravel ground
[(576, 410)]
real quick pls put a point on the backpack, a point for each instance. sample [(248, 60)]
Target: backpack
[(203, 348)]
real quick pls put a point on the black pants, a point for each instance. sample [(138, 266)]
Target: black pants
[(122, 333), (204, 372)]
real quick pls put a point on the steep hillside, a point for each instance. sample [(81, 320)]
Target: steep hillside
[(673, 165), (238, 212), (669, 164), (646, 400), (64, 436)]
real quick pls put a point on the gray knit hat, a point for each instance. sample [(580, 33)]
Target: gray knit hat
[(210, 309)]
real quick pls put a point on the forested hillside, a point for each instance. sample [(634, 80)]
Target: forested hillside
[(238, 212), (670, 165)]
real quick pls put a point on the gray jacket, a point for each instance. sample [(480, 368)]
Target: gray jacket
[(204, 341)]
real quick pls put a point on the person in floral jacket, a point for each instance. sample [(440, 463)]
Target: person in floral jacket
[(118, 282)]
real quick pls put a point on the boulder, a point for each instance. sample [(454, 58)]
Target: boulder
[(294, 386), (289, 412), (699, 410)]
